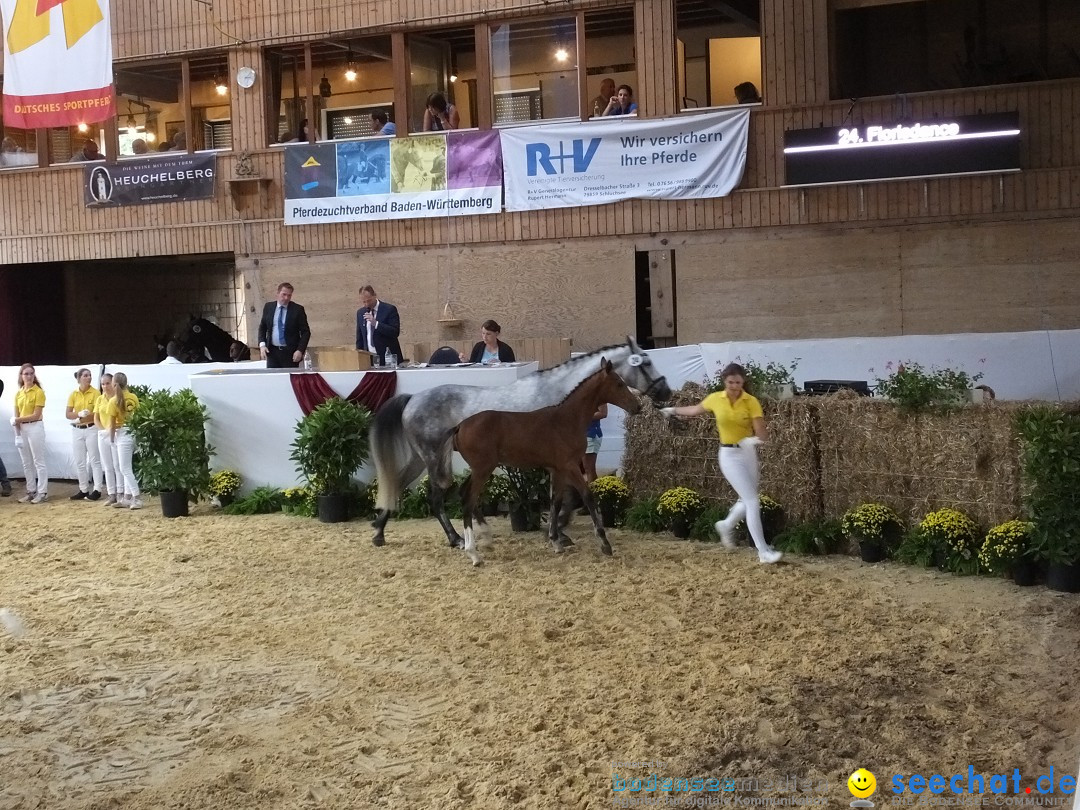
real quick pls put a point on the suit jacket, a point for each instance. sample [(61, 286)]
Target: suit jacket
[(297, 333), (387, 329)]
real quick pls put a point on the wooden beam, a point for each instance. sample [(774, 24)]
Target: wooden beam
[(400, 51), (846, 5), (309, 105), (582, 67), (744, 12), (185, 80), (485, 112)]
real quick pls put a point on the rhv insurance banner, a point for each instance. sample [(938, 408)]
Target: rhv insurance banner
[(595, 162), (57, 63), (438, 175)]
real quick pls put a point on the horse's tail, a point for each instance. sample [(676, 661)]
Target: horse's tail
[(389, 450)]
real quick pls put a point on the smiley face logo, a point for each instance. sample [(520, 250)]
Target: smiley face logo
[(862, 784)]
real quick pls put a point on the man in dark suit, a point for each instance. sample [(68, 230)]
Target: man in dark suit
[(283, 330), (377, 325)]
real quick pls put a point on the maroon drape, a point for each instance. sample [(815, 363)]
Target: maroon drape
[(375, 388)]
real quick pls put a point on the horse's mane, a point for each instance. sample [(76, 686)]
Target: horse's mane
[(582, 357)]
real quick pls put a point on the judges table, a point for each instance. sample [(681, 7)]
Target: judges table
[(253, 413)]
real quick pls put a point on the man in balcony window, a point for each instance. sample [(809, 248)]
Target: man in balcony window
[(607, 90), (622, 103), (381, 124), (88, 152)]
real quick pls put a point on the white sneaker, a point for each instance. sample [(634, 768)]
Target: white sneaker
[(726, 540), (41, 497), (770, 556), (27, 498), (136, 503), (121, 503), (110, 500)]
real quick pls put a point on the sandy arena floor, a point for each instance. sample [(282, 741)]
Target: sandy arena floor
[(274, 662)]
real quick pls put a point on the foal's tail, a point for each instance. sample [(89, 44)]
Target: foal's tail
[(390, 450)]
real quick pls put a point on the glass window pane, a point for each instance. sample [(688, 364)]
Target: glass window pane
[(19, 146), (609, 45), (534, 70), (354, 77), (84, 142), (442, 67), (287, 89), (210, 91), (149, 107), (718, 53)]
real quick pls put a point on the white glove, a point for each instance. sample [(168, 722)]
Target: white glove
[(84, 413), (751, 441), (669, 413), (13, 422), (18, 440)]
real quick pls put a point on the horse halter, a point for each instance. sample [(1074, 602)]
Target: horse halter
[(642, 360)]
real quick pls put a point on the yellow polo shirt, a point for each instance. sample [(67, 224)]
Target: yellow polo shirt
[(84, 401), (734, 420), (131, 402), (29, 400), (101, 409)]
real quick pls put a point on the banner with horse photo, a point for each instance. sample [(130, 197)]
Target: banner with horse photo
[(436, 175), (608, 160), (169, 178), (57, 63)]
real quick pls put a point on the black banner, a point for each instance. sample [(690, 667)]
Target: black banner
[(956, 145), (165, 178)]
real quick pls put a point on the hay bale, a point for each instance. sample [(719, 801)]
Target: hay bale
[(828, 454)]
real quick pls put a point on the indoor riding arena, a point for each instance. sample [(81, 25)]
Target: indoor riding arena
[(273, 661)]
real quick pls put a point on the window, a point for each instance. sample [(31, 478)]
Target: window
[(535, 57), (906, 47), (442, 61), (718, 53), (210, 110), (347, 73), (19, 146), (609, 49)]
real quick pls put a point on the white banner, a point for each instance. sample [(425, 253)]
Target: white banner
[(402, 205), (57, 63), (596, 162)]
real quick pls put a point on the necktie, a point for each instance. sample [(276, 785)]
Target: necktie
[(370, 336), (279, 333)]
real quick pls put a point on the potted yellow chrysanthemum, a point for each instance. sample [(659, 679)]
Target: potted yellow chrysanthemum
[(1004, 551), (954, 538), (612, 497), (224, 485), (680, 506), (874, 527)]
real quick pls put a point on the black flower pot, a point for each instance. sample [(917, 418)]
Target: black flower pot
[(609, 515), (871, 551), (680, 526), (522, 519), (225, 500), (174, 503), (1025, 572), (1064, 577), (333, 509)]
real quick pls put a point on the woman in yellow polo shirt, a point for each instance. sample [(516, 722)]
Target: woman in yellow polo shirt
[(121, 404), (741, 425), (30, 435), (104, 437), (84, 440)]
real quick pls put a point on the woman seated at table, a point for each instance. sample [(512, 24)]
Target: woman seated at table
[(490, 349)]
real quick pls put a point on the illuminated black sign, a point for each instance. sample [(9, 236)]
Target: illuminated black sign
[(959, 145)]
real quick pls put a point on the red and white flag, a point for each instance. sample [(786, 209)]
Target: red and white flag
[(57, 63)]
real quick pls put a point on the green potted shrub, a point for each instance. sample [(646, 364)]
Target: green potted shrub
[(530, 489), (913, 388), (875, 527), (955, 539), (680, 506), (1006, 551), (496, 493), (612, 496), (174, 459), (330, 446), (772, 380)]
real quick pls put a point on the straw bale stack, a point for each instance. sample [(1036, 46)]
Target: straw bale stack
[(828, 454)]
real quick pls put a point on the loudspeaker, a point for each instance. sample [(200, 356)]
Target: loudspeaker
[(821, 387)]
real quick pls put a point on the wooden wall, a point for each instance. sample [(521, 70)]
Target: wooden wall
[(580, 290), (843, 282)]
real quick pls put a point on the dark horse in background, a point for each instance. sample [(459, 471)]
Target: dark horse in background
[(202, 341)]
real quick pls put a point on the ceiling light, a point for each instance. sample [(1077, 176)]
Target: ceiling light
[(220, 86), (150, 137), (83, 128), (453, 77), (561, 55), (350, 73)]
